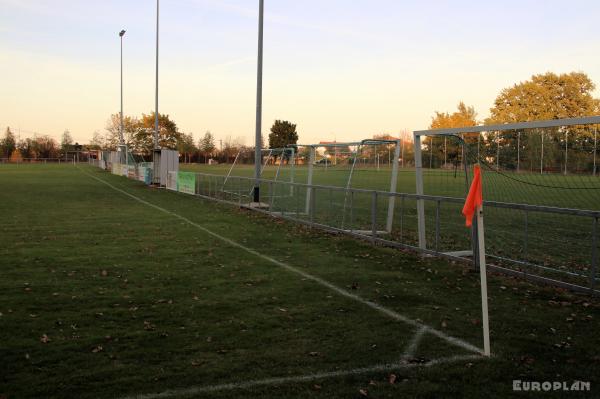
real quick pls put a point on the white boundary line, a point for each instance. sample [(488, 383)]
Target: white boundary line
[(300, 378), (414, 343), (402, 364), (375, 306)]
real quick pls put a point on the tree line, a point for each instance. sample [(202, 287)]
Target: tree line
[(37, 147), (543, 97)]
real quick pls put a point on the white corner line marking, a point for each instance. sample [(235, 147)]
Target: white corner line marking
[(190, 391), (411, 349), (373, 305)]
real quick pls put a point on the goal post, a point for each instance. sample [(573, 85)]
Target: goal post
[(353, 161), (269, 156), (549, 163)]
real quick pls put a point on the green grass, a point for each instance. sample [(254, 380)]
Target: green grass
[(134, 300), (542, 241), (551, 189)]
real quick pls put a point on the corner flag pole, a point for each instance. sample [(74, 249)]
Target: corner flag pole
[(473, 209), (483, 276)]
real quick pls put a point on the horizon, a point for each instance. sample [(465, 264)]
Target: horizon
[(344, 72)]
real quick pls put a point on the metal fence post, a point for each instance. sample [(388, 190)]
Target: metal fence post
[(419, 188), (351, 210), (594, 254), (437, 225), (374, 215), (271, 196), (402, 219), (311, 210), (330, 206), (526, 243)]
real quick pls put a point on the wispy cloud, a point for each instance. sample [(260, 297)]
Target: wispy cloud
[(286, 21), (27, 5), (227, 64)]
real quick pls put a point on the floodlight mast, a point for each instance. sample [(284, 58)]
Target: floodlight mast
[(258, 134), (121, 138), (156, 146)]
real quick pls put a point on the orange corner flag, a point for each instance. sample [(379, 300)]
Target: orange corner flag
[(475, 197)]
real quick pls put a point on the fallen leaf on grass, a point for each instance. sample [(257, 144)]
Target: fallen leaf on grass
[(97, 349), (148, 326), (44, 339)]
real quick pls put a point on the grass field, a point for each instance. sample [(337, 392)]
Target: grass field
[(113, 289), (535, 238), (571, 191)]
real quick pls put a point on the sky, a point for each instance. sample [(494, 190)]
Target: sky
[(341, 70)]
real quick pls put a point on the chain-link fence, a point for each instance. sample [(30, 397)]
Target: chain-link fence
[(514, 232)]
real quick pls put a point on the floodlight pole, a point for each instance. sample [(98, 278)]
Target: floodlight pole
[(156, 152), (122, 148), (121, 138), (258, 134), (156, 83)]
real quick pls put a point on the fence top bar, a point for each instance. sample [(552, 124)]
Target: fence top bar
[(586, 120), (350, 143), (426, 197), (338, 144)]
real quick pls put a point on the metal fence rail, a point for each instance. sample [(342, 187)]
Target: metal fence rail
[(556, 246), (62, 160)]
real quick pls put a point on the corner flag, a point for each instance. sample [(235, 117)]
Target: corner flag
[(474, 206), (475, 197)]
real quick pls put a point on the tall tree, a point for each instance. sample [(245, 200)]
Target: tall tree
[(97, 142), (185, 146), (46, 147), (131, 127), (168, 133), (206, 145), (8, 143), (440, 151), (544, 96), (27, 148), (66, 142), (283, 133), (547, 96)]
